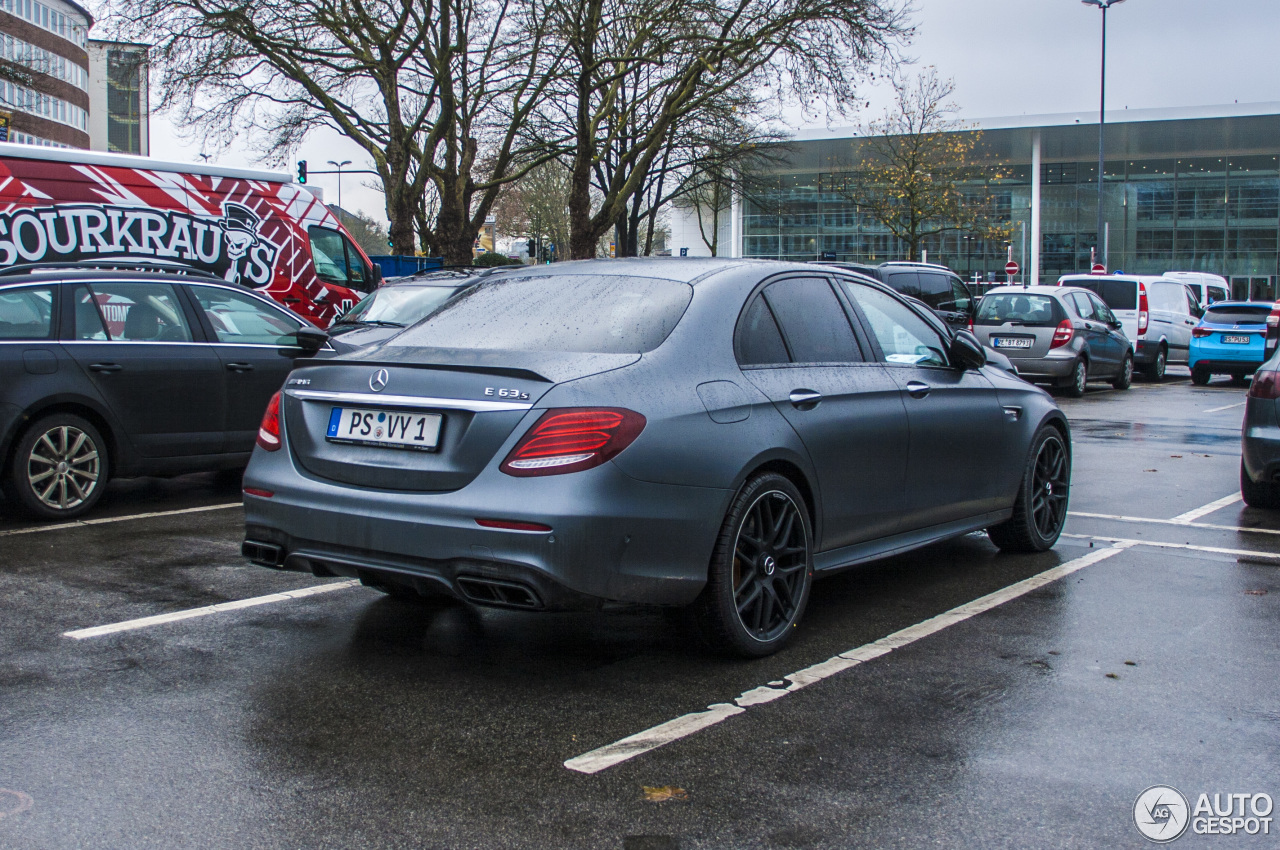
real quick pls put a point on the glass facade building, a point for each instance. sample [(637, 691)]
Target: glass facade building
[(1185, 190)]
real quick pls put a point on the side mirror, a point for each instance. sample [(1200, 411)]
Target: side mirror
[(310, 339), (966, 351), (375, 276)]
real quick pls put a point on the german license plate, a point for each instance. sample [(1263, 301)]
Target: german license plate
[(394, 428), (1011, 342), (1237, 340)]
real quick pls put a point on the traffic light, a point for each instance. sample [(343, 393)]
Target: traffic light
[(531, 246), (302, 171)]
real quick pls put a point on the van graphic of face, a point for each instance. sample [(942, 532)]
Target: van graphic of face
[(240, 232)]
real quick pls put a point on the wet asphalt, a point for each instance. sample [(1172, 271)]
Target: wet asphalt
[(349, 719)]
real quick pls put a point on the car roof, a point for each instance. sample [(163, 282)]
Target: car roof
[(1009, 289), (66, 274)]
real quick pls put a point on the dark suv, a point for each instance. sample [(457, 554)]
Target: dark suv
[(937, 286), (118, 373)]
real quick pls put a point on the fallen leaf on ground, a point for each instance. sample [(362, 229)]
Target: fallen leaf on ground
[(1112, 676), (1256, 592), (1175, 455), (662, 793), (1132, 663), (1150, 470)]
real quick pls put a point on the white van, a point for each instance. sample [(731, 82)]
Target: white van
[(1157, 313), (1207, 287)]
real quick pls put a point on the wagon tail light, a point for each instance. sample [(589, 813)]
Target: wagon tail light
[(1265, 385), (269, 430), (1273, 318), (571, 439), (1144, 311), (1062, 334), (1201, 333)]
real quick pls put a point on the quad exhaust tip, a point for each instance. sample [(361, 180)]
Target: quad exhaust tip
[(262, 554), (502, 594)]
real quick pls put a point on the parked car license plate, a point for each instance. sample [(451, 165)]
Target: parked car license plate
[(1238, 340), (394, 428), (1011, 342)]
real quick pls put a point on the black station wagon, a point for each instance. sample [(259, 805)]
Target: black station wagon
[(119, 373)]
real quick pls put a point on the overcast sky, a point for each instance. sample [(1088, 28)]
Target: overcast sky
[(1007, 57)]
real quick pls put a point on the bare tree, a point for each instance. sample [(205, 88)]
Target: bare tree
[(368, 233), (436, 92), (919, 172), (689, 54)]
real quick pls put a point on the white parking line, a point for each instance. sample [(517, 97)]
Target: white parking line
[(107, 520), (173, 617), (1177, 522), (1205, 510), (1225, 407), (1160, 544), (685, 725)]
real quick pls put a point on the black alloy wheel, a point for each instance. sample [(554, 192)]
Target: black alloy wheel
[(1155, 371), (1124, 379), (1040, 510), (761, 570), (59, 468)]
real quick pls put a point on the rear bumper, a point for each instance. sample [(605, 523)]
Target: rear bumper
[(613, 538), (1237, 359), (1045, 368)]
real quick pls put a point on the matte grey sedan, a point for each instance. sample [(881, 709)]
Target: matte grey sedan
[(710, 434), (1061, 335)]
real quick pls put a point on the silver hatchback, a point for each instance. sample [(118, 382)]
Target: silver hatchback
[(1060, 335)]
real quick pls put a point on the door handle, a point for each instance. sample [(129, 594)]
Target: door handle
[(805, 399), (240, 367), (105, 367), (916, 389)]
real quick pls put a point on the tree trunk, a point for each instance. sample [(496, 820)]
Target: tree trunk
[(401, 212)]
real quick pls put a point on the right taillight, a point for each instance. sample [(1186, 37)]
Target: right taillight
[(1265, 385), (1144, 312), (269, 430), (570, 439), (1063, 333)]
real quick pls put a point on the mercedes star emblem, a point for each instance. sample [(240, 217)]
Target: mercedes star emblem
[(378, 380)]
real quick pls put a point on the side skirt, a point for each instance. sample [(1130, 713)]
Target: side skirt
[(871, 550)]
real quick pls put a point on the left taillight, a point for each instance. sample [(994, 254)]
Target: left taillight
[(1265, 385), (269, 430), (571, 439), (1063, 334), (1201, 333)]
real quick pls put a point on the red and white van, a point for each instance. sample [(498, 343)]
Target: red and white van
[(255, 228)]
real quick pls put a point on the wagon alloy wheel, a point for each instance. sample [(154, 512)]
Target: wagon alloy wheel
[(1050, 486), (1040, 509), (59, 468), (761, 570), (769, 564)]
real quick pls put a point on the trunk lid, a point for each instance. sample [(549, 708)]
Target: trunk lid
[(481, 396)]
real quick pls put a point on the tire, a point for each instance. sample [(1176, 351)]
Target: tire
[(761, 571), (1079, 381), (1240, 380), (1155, 370), (69, 453), (1264, 495), (1200, 376), (1040, 511), (1124, 379)]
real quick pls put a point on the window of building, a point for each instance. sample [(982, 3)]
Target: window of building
[(125, 90)]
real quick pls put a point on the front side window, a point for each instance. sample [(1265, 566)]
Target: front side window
[(1101, 311), (1217, 293), (905, 338), (26, 313), (130, 312), (243, 319), (329, 254), (812, 320)]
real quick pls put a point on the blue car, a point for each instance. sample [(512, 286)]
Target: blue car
[(1229, 340)]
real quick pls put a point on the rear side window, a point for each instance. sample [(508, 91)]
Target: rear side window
[(758, 341), (1032, 311), (908, 283), (26, 313), (1116, 294), (605, 314), (813, 322), (130, 312), (1237, 315)]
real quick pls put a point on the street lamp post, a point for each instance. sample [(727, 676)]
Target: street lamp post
[(338, 165), (1104, 5)]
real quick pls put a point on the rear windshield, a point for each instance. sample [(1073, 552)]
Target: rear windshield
[(1032, 311), (1237, 315), (1118, 294), (605, 314)]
